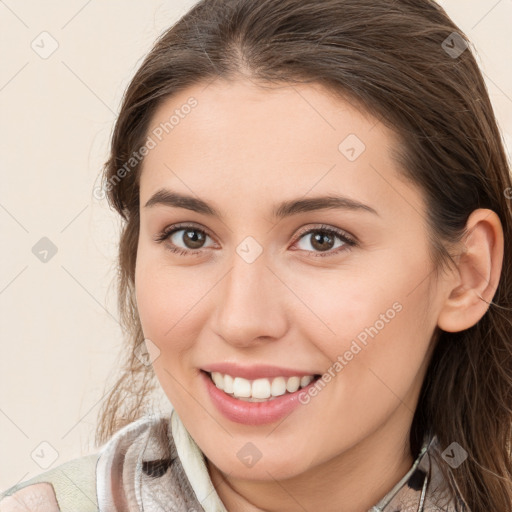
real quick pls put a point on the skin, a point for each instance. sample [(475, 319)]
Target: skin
[(243, 149)]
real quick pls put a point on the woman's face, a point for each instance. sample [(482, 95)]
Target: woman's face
[(264, 278)]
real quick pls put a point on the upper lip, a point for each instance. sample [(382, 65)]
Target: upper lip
[(255, 371)]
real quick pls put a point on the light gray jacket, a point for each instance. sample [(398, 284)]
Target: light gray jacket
[(153, 464)]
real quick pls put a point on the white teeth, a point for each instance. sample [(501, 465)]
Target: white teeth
[(219, 381), (293, 384), (241, 387), (259, 389), (305, 381), (278, 386), (228, 383)]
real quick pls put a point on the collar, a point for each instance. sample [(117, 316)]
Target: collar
[(153, 463)]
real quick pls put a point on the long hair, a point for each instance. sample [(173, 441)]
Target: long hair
[(406, 63)]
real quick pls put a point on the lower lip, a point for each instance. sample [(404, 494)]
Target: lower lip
[(253, 413)]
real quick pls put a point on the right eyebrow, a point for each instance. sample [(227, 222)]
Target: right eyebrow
[(168, 198)]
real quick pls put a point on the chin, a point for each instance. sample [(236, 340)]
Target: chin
[(264, 469)]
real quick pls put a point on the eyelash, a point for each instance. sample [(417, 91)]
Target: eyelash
[(348, 241)]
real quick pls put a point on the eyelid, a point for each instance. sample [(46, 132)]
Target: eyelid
[(348, 240), (331, 229), (166, 232)]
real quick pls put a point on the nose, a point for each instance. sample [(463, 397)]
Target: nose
[(250, 304)]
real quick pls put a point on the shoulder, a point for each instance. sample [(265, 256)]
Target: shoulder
[(37, 497), (443, 492), (137, 467), (71, 486), (141, 468)]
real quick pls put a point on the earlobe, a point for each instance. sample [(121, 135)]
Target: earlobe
[(478, 269)]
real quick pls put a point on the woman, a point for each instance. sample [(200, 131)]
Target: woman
[(315, 264)]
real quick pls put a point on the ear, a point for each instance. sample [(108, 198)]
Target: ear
[(477, 274)]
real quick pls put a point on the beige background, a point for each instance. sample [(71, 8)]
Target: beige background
[(59, 334)]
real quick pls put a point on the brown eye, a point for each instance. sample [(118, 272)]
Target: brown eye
[(183, 239), (324, 240), (192, 238)]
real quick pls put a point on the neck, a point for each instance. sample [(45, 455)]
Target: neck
[(353, 481)]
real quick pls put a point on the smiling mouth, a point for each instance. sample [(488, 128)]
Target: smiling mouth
[(259, 390)]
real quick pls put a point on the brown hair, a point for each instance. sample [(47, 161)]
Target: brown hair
[(401, 62)]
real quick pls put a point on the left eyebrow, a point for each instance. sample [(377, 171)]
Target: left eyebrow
[(285, 209), (293, 207)]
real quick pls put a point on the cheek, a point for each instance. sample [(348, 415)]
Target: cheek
[(166, 306), (354, 303), (381, 358), (380, 324), (169, 304)]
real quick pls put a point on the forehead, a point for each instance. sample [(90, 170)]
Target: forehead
[(268, 141)]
